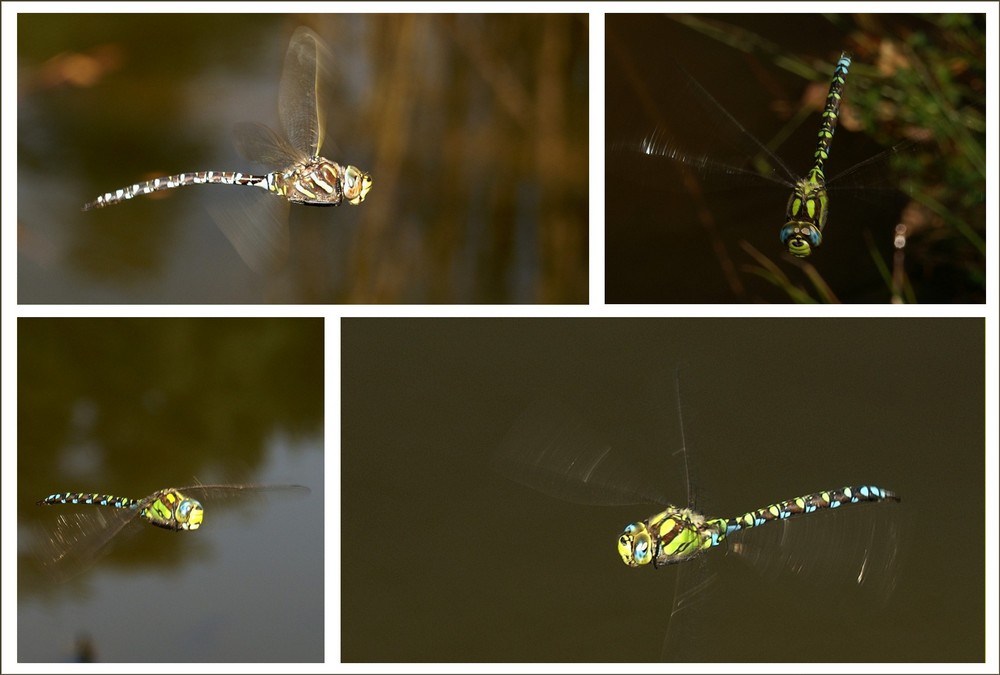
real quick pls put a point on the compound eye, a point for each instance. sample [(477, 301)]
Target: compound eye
[(641, 550), (635, 545), (184, 510), (356, 185), (352, 185)]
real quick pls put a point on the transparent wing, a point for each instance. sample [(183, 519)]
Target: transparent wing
[(212, 492), (854, 546), (256, 224), (550, 448), (705, 136), (878, 172), (298, 100), (695, 579), (651, 151), (870, 178), (687, 626), (78, 540), (731, 131), (257, 143), (830, 573), (731, 157)]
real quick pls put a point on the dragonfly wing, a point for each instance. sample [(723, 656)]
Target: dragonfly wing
[(729, 128), (257, 143), (879, 172), (853, 548), (256, 224), (298, 100), (696, 584), (825, 564), (214, 492), (80, 539), (696, 130), (658, 145), (550, 448)]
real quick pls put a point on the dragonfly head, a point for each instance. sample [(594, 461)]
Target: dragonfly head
[(357, 183), (189, 514), (635, 545)]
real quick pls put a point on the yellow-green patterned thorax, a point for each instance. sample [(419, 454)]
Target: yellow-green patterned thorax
[(173, 511), (805, 216), (669, 537)]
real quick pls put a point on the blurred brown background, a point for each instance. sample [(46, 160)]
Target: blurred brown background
[(474, 128)]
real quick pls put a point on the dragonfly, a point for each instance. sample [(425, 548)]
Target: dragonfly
[(301, 175), (549, 449), (808, 205), (80, 539)]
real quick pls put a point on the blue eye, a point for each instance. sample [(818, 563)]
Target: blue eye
[(641, 550), (184, 509)]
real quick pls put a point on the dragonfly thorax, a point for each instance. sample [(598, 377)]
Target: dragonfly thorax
[(805, 216), (320, 182), (669, 537), (171, 510)]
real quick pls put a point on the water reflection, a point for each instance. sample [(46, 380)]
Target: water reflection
[(126, 406)]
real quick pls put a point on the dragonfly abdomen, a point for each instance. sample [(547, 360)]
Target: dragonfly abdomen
[(831, 113), (91, 498), (170, 182), (789, 508)]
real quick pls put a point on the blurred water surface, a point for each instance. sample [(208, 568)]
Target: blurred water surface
[(130, 406)]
